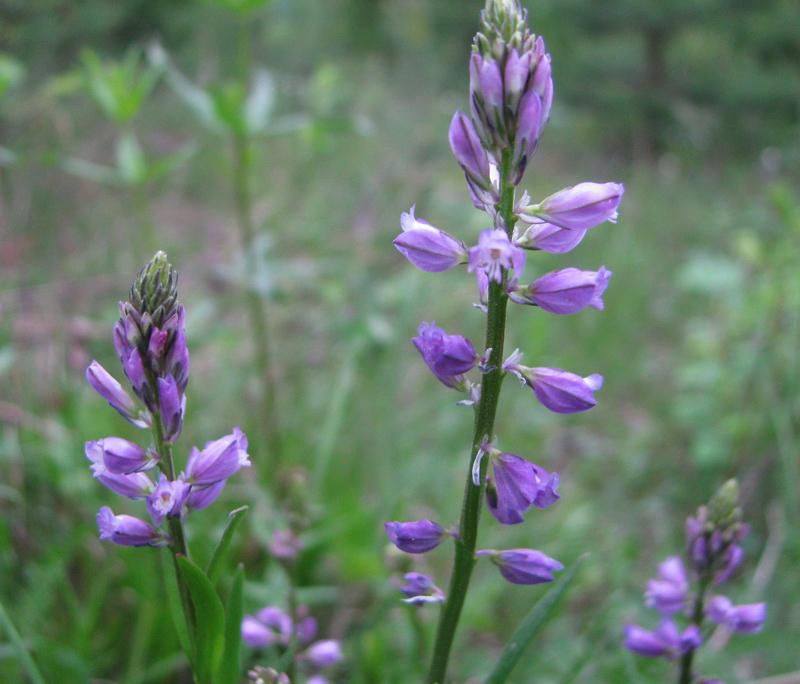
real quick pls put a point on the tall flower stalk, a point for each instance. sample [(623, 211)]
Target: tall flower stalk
[(511, 92), (713, 540), (150, 340)]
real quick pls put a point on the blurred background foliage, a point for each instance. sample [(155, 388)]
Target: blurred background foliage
[(113, 120)]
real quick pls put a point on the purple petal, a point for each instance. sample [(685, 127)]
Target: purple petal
[(415, 537)]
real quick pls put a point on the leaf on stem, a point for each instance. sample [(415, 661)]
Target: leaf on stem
[(210, 638), (230, 669), (215, 564)]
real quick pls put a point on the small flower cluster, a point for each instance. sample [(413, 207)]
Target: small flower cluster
[(272, 627), (150, 341), (714, 552), (511, 92)]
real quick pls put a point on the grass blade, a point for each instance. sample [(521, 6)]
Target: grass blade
[(531, 626), (25, 658)]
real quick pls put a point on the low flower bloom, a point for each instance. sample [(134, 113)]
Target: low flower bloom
[(579, 207), (420, 589), (268, 627), (133, 486), (113, 392), (745, 619), (123, 457), (324, 653), (549, 238), (523, 566), (564, 292), (668, 593), (167, 499), (285, 545), (664, 641), (495, 252), (415, 537), (559, 390), (448, 356), (428, 248), (218, 460), (518, 485), (126, 530)]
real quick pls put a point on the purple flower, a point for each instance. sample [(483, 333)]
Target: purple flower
[(134, 368), (664, 641), (268, 627), (472, 158), (167, 498), (172, 406), (133, 486), (730, 559), (495, 252), (122, 457), (448, 356), (549, 238), (745, 619), (203, 497), (579, 207), (668, 593), (284, 545), (420, 589), (415, 537), (558, 390), (218, 460), (564, 292), (517, 485), (428, 248), (324, 653), (527, 138), (113, 392), (523, 566), (126, 530)]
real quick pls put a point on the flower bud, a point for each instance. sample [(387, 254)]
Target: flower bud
[(428, 248), (559, 390), (564, 292), (126, 530), (523, 566), (123, 457), (415, 537), (448, 356), (218, 460), (579, 207)]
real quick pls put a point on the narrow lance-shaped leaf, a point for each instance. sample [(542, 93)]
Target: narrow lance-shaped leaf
[(210, 622), (531, 626), (230, 669), (217, 558)]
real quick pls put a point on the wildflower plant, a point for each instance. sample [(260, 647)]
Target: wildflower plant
[(511, 93), (150, 341), (713, 550)]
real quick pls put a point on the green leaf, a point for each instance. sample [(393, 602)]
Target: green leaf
[(131, 161), (165, 165), (210, 622), (28, 665), (260, 102), (97, 173), (197, 99), (531, 626), (217, 558), (175, 607), (231, 659)]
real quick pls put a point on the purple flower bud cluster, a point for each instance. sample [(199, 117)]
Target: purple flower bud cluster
[(713, 538), (151, 344), (271, 627)]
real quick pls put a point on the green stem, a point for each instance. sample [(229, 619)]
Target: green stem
[(268, 426), (483, 427), (177, 544), (685, 674)]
